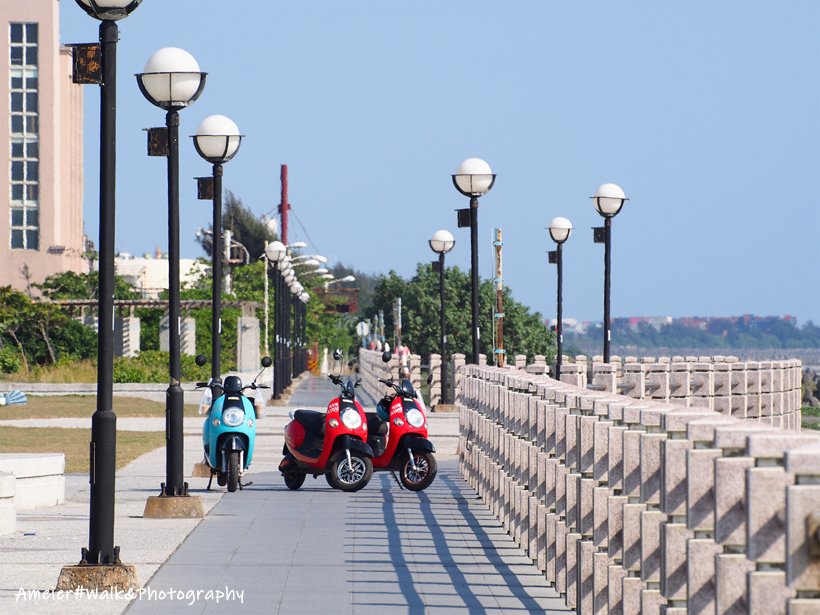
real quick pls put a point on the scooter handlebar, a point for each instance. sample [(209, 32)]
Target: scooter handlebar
[(201, 385)]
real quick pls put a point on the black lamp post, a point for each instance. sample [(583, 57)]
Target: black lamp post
[(560, 229), (217, 140), (441, 243), (276, 253), (103, 70), (172, 81), (608, 200), (474, 178)]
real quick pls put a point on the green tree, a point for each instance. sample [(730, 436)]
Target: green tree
[(42, 333), (70, 285), (524, 332), (247, 229)]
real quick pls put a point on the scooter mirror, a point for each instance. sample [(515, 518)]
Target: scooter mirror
[(266, 362), (386, 356), (337, 354), (201, 360)]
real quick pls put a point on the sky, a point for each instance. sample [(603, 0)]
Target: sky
[(706, 113)]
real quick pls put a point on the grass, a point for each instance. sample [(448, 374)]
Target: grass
[(77, 371), (74, 443), (82, 406), (809, 411)]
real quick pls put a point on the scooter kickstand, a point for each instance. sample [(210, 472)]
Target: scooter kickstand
[(396, 478), (210, 480), (241, 484)]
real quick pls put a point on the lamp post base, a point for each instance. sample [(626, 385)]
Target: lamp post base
[(445, 408), (173, 507), (201, 470), (100, 577)]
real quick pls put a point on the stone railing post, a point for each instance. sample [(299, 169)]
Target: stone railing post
[(435, 384)]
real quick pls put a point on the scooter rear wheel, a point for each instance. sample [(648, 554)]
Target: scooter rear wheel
[(294, 480), (233, 471), (350, 476), (420, 478)]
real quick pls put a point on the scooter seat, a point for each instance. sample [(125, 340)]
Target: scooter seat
[(375, 425), (312, 420)]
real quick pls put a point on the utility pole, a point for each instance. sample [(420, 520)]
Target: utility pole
[(397, 324), (500, 353), (284, 206), (226, 242)]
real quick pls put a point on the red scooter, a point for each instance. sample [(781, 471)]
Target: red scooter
[(333, 443), (400, 443)]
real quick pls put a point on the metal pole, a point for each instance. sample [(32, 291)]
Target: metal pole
[(445, 391), (560, 327), (474, 273), (289, 337), (103, 449), (499, 303), (216, 316), (277, 332), (607, 254), (284, 205), (267, 304), (174, 484)]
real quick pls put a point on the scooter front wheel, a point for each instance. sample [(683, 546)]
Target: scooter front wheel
[(233, 471), (420, 477), (350, 476), (294, 480)]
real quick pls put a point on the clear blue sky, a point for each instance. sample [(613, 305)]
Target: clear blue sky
[(707, 113)]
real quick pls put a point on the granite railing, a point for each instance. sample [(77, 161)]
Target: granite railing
[(765, 391), (642, 506), (371, 368)]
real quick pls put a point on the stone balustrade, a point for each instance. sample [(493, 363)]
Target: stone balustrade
[(765, 391), (631, 505), (371, 368)]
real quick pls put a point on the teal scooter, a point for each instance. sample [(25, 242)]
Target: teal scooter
[(229, 431)]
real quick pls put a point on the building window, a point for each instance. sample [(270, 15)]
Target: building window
[(24, 167)]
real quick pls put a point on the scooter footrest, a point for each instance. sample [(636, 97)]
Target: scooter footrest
[(311, 453)]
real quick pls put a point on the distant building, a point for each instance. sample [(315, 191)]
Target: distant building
[(42, 127), (341, 300), (149, 276)]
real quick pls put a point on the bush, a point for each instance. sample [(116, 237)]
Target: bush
[(9, 360), (152, 366)]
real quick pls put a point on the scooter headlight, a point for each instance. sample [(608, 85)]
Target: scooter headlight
[(415, 417), (233, 417), (351, 419)]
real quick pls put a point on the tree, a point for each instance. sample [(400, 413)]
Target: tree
[(70, 285), (524, 332), (41, 332), (246, 228)]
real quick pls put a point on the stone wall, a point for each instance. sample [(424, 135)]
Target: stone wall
[(371, 368), (765, 391), (643, 506)]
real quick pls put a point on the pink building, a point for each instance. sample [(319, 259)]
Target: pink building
[(42, 227)]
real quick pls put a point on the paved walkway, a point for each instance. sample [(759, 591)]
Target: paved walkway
[(315, 550), (381, 550)]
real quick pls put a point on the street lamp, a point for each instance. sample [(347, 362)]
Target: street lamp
[(608, 199), (441, 243), (347, 278), (276, 253), (315, 257), (473, 179), (560, 229), (172, 81), (217, 140), (103, 446)]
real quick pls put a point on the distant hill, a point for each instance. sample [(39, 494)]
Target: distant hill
[(747, 337)]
